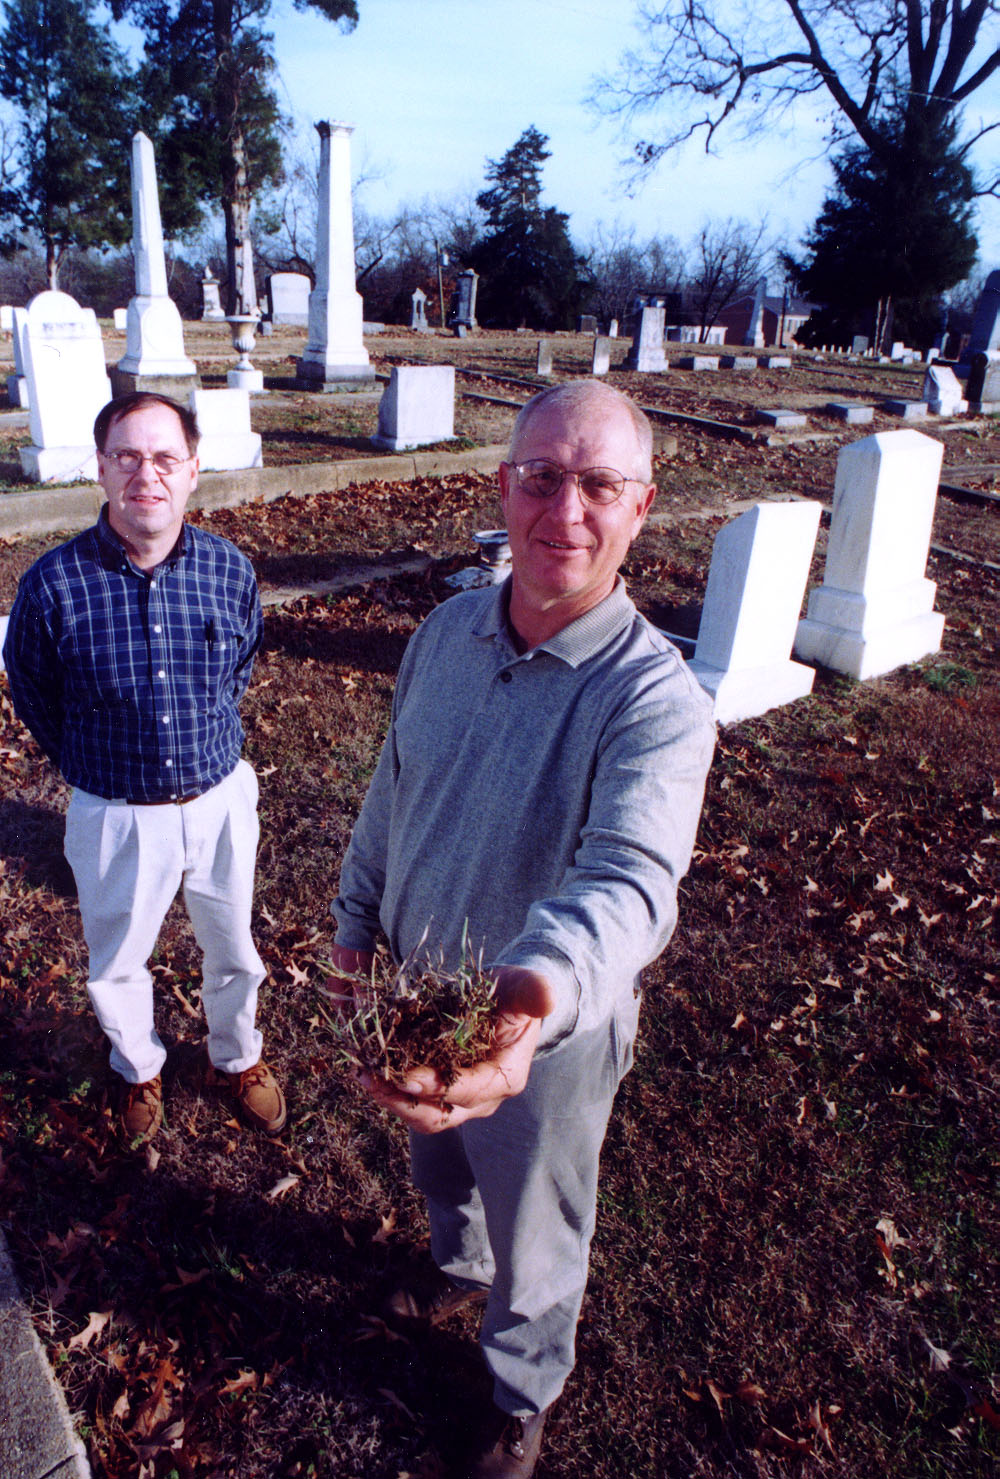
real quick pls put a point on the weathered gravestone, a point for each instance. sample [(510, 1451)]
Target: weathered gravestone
[(418, 311), (699, 362), (543, 364), (613, 329), (463, 313), (335, 357), (600, 361), (982, 386), (756, 581), (223, 418), (874, 610), (417, 407), (737, 362), (119, 319), (586, 323), (154, 357), (942, 391), (67, 386), (6, 318), (288, 298), (646, 355), (17, 384), (212, 310), (859, 344)]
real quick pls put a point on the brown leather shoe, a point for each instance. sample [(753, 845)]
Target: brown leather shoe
[(141, 1111), (427, 1301), (508, 1447), (259, 1098)]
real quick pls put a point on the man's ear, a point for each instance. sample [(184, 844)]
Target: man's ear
[(643, 504)]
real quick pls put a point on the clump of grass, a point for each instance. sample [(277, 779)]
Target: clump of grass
[(417, 1015)]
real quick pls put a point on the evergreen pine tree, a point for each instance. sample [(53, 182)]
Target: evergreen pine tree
[(531, 273), (895, 233), (71, 88)]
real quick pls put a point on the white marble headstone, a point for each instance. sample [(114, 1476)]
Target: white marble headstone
[(646, 355), (600, 361), (756, 582), (875, 609), (223, 418), (417, 407), (67, 386), (943, 392), (288, 297)]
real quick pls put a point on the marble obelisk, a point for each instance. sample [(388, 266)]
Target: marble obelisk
[(154, 357), (335, 357)]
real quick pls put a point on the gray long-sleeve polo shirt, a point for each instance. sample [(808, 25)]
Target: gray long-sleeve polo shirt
[(549, 800)]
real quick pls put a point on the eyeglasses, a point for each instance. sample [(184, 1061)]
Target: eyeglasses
[(130, 462), (541, 478)]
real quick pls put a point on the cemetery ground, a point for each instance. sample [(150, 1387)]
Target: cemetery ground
[(795, 1267)]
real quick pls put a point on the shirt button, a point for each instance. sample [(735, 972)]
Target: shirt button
[(157, 629), (506, 677), (166, 719), (161, 673), (168, 762)]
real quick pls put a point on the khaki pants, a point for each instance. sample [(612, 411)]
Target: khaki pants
[(129, 862)]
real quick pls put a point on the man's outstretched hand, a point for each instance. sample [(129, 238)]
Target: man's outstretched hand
[(427, 1105)]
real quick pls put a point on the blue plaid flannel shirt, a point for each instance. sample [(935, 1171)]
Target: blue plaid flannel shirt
[(130, 680)]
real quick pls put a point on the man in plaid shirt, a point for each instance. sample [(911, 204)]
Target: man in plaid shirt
[(128, 650)]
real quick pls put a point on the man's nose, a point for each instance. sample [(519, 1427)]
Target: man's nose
[(569, 496), (146, 473)]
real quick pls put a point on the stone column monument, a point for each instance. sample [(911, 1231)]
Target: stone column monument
[(335, 357), (154, 357), (754, 335)]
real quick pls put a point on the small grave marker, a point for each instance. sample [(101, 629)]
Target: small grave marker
[(849, 413), (600, 362), (782, 419), (906, 410)]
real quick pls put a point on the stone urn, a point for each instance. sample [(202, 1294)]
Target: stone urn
[(243, 327), (494, 552)]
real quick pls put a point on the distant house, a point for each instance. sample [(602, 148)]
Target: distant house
[(781, 318), (682, 317)]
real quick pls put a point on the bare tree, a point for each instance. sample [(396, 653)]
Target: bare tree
[(729, 258), (622, 267), (705, 63)]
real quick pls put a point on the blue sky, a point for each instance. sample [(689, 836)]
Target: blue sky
[(436, 87)]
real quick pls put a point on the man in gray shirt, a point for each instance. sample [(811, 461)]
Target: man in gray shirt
[(540, 786)]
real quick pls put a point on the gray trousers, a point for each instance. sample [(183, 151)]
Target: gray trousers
[(512, 1201)]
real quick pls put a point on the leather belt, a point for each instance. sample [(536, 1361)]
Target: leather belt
[(168, 800)]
